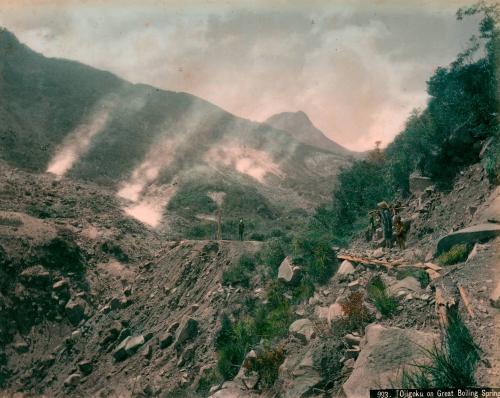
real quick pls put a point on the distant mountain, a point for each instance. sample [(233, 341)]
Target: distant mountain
[(171, 157), (300, 127)]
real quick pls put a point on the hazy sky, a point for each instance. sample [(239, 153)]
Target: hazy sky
[(357, 68)]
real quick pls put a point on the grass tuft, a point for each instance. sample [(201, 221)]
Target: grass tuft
[(381, 298), (456, 254), (451, 364)]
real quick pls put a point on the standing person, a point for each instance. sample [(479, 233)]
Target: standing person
[(386, 219), (400, 232), (241, 229)]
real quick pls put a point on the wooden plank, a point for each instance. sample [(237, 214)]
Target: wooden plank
[(432, 274), (441, 308), (433, 267), (466, 301), (365, 260)]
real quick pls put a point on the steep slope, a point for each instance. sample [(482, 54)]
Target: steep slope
[(153, 147), (300, 127)]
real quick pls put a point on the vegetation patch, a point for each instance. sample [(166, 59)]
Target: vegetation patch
[(456, 254), (383, 301), (357, 315), (240, 273), (266, 364)]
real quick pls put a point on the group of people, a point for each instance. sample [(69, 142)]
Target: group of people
[(392, 225)]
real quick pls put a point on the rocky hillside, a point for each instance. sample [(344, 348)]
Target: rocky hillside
[(94, 304), (165, 154)]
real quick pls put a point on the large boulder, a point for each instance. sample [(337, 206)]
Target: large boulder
[(385, 352), (476, 233), (288, 272), (495, 296), (303, 329), (298, 375), (408, 285), (128, 347)]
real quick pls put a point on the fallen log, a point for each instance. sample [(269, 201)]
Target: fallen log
[(443, 302), (441, 309), (432, 266), (466, 300), (367, 260)]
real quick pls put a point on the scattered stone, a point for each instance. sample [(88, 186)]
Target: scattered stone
[(114, 303), (288, 272), (303, 329), (353, 283), (85, 367), (352, 353), (75, 310), (73, 380), (35, 276), (495, 296), (330, 313), (21, 347), (187, 330), (351, 339)]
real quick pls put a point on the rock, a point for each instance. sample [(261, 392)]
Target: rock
[(288, 272), (418, 183), (346, 268), (120, 352), (75, 310), (73, 380), (353, 283), (114, 303), (247, 379), (133, 344), (166, 340), (352, 353), (377, 253), (298, 375), (186, 356), (61, 285), (495, 296), (230, 389), (408, 284), (385, 351), (21, 347), (85, 367), (36, 276), (147, 352), (187, 330), (474, 234), (330, 313), (303, 329), (352, 340)]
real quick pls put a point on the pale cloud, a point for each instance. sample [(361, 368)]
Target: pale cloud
[(356, 68)]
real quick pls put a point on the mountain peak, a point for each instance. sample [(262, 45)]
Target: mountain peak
[(299, 126)]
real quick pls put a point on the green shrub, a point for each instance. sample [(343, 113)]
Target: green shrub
[(209, 378), (266, 365), (257, 236), (233, 342), (456, 254), (417, 273), (380, 296), (240, 273), (327, 359), (273, 254), (451, 364)]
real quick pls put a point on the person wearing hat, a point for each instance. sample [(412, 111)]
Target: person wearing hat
[(241, 229), (386, 219)]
